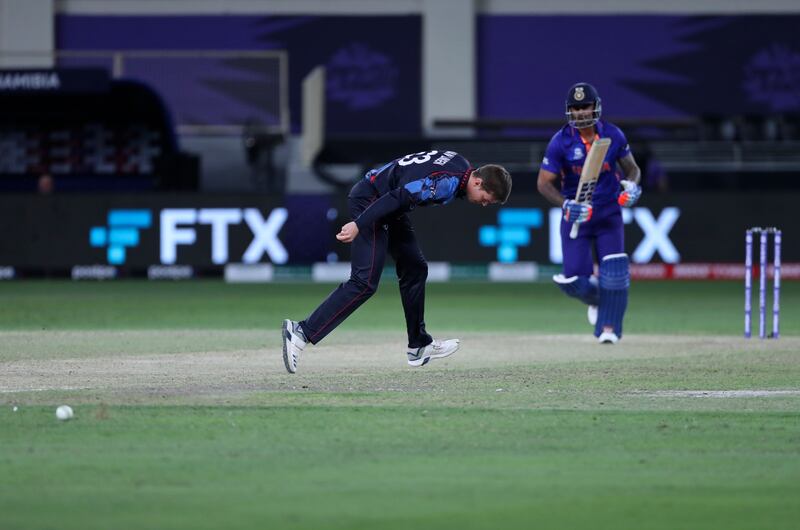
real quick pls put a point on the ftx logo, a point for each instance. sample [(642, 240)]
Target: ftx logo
[(122, 232), (513, 230), (177, 228)]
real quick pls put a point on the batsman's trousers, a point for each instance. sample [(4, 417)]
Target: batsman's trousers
[(368, 255), (604, 230)]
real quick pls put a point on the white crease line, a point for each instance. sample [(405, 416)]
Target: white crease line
[(45, 389), (719, 393)]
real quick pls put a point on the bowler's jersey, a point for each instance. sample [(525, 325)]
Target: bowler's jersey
[(566, 153), (429, 178)]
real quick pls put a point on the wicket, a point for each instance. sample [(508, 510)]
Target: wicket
[(762, 281)]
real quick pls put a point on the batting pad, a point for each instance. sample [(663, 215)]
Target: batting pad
[(615, 278), (584, 288)]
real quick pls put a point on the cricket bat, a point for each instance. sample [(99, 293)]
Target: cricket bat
[(589, 175)]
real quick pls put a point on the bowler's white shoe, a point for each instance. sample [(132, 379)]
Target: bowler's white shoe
[(591, 314), (294, 340), (435, 350), (608, 336)]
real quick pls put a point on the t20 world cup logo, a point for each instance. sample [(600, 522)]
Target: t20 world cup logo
[(361, 78)]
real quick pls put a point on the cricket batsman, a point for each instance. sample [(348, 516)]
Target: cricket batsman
[(599, 221), (379, 205)]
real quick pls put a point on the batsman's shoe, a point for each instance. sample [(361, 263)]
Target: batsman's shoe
[(591, 314), (294, 340), (435, 350), (608, 337)]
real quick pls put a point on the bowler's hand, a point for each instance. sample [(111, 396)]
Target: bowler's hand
[(348, 232)]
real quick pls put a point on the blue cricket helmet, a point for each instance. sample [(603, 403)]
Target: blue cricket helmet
[(581, 94)]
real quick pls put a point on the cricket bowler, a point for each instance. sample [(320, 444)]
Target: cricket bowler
[(379, 205)]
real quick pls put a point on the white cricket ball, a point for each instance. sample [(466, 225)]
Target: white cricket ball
[(64, 413)]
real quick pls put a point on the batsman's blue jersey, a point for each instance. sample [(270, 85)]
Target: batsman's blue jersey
[(566, 153), (428, 178)]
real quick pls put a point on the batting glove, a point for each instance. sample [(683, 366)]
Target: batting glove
[(630, 193), (576, 212)]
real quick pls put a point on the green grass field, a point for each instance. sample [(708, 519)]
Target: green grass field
[(185, 417)]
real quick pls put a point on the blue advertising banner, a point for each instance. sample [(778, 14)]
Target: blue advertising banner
[(661, 228), (208, 232), (57, 232), (643, 66), (373, 63)]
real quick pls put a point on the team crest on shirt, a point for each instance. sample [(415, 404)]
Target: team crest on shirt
[(578, 154), (579, 95)]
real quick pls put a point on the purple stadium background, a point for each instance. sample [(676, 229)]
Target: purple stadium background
[(653, 66)]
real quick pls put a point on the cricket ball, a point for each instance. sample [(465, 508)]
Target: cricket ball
[(64, 413)]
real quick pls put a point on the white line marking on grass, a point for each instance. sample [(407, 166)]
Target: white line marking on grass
[(719, 393), (44, 389)]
